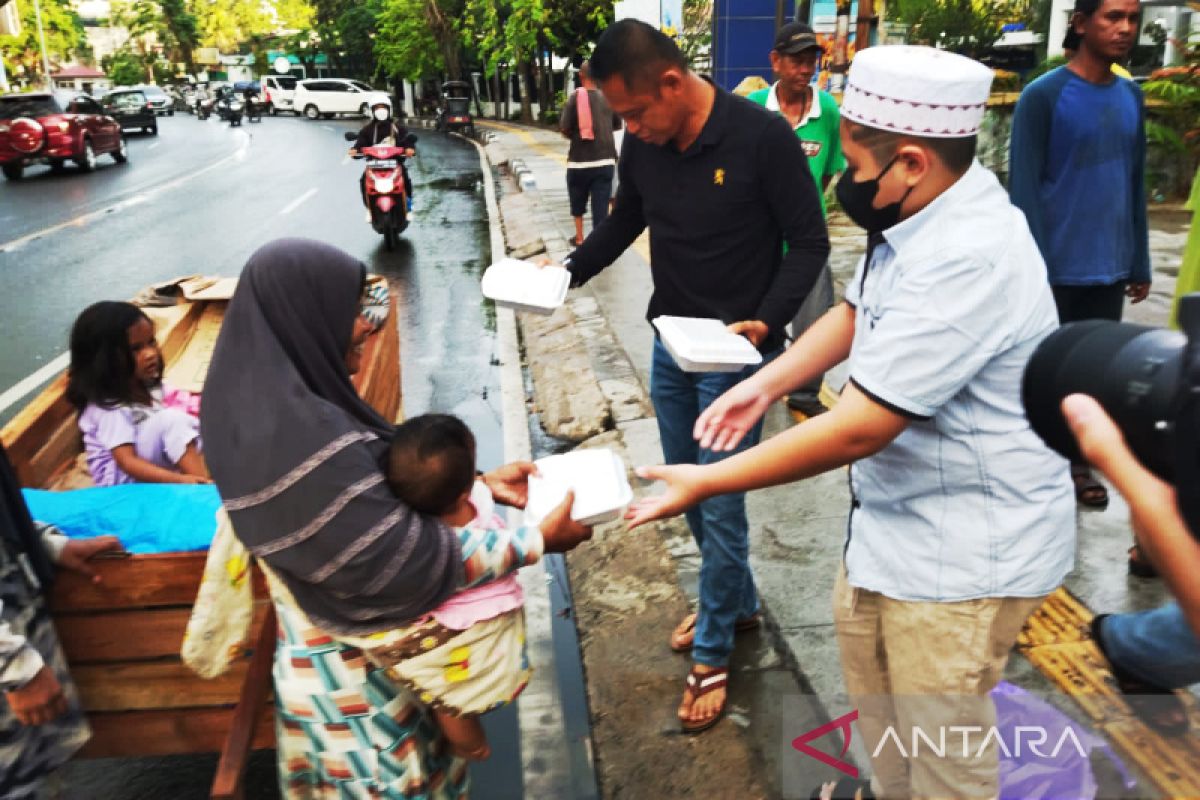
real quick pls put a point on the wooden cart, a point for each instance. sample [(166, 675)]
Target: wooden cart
[(122, 637)]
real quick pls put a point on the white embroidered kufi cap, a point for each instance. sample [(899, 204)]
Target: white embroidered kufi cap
[(917, 90)]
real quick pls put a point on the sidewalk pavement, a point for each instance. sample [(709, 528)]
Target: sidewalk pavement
[(798, 530)]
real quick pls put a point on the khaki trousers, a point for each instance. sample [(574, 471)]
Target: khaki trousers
[(929, 666)]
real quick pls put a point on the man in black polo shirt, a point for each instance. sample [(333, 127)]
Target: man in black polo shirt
[(722, 184)]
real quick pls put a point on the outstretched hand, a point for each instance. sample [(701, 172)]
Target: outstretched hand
[(510, 484), (684, 490), (560, 533), (77, 552), (721, 426)]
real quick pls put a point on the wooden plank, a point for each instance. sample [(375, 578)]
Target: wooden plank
[(58, 453), (138, 686), (169, 732), (27, 432), (173, 326), (131, 635), (255, 689), (142, 581), (188, 369)]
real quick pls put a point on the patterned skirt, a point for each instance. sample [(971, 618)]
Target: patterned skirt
[(345, 729), (27, 754)]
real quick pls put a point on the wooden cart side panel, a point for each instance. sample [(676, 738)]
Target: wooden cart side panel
[(34, 426), (145, 685), (167, 732), (108, 637), (143, 581)]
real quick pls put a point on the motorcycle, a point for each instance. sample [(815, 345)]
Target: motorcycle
[(253, 109), (384, 180), (231, 108), (204, 107)]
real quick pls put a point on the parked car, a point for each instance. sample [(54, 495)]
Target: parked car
[(159, 100), (279, 92), (328, 97), (132, 109), (44, 128)]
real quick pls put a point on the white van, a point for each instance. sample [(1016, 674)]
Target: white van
[(328, 97), (278, 91)]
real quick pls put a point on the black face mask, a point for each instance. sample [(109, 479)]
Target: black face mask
[(856, 198)]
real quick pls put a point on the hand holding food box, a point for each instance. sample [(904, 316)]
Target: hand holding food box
[(524, 286), (596, 476), (705, 345)]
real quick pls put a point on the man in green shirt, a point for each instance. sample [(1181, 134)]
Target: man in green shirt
[(814, 116)]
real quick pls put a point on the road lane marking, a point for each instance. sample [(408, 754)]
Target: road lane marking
[(92, 216), (292, 206), (329, 128), (35, 380), (151, 147), (527, 137)]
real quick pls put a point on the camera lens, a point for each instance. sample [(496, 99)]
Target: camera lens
[(1133, 371)]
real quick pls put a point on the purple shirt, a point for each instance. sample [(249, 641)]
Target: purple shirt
[(159, 434)]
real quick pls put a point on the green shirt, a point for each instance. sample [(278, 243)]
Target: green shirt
[(818, 133)]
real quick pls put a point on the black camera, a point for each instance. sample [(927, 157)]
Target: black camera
[(1147, 379)]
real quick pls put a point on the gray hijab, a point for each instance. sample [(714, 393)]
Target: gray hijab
[(296, 454)]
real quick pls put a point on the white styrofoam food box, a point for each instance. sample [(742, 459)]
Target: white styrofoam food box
[(705, 345), (523, 286), (597, 477)]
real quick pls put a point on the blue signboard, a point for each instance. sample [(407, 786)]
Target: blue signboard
[(743, 33)]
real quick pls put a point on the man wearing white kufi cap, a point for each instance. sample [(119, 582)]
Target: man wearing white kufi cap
[(962, 520)]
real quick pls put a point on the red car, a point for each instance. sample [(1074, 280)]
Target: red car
[(45, 128)]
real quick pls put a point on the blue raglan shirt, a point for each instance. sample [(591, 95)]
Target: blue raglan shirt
[(1077, 163)]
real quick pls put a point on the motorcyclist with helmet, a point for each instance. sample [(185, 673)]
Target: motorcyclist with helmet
[(384, 130)]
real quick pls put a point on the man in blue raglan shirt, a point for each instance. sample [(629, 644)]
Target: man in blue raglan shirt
[(1076, 170)]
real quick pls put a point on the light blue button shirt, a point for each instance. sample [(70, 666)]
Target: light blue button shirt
[(967, 502)]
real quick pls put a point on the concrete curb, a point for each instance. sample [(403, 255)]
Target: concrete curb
[(545, 758)]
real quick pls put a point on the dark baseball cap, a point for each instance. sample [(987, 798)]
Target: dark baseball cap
[(795, 37)]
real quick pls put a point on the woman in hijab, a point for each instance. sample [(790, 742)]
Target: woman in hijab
[(297, 456), (41, 721)]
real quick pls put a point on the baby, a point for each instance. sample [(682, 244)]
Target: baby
[(467, 656)]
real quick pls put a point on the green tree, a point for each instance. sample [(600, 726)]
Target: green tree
[(696, 37), (184, 30), (143, 20), (64, 38), (512, 32), (124, 67), (969, 27), (227, 24), (417, 38)]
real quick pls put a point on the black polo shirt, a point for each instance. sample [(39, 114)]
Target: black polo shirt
[(719, 214)]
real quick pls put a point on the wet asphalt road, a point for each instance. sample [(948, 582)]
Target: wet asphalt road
[(200, 198)]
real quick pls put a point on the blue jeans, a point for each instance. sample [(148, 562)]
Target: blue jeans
[(1157, 646), (719, 524)]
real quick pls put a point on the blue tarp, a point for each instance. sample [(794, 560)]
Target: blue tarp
[(146, 517)]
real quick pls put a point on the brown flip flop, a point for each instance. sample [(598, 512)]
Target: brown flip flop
[(685, 631), (699, 684)]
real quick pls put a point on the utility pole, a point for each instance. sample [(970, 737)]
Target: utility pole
[(37, 10)]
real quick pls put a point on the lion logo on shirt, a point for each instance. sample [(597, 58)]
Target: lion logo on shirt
[(718, 177)]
